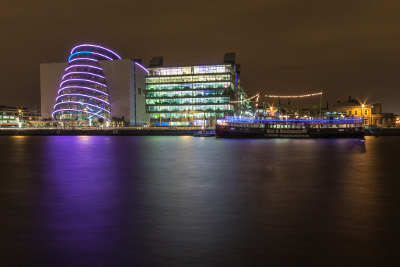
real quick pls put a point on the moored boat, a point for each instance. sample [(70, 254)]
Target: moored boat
[(339, 126)]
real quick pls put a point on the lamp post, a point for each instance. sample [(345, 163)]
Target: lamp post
[(22, 117), (370, 115), (362, 106)]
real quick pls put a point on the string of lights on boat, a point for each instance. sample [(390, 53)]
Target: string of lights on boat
[(294, 96)]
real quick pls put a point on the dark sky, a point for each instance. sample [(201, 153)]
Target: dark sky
[(285, 46)]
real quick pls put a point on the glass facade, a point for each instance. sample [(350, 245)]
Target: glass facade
[(245, 106), (83, 93), (190, 95)]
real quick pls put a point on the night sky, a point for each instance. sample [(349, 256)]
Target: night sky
[(348, 48)]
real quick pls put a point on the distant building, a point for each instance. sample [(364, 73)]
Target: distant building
[(18, 117), (193, 95), (95, 87), (372, 113)]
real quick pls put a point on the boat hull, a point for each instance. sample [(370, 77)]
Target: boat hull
[(225, 131)]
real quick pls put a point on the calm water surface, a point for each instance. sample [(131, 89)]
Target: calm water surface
[(183, 201)]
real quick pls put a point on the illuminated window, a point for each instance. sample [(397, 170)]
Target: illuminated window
[(366, 112), (210, 69), (172, 71), (200, 78)]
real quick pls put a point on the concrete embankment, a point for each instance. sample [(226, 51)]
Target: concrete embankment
[(145, 132), (118, 131), (383, 132)]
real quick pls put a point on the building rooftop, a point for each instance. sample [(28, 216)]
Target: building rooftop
[(158, 62)]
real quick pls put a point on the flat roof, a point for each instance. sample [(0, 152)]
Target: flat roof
[(192, 65)]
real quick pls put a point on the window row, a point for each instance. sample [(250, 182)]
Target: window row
[(200, 78), (191, 70), (189, 86), (218, 92), (80, 100), (76, 92), (7, 117), (358, 112), (74, 85), (89, 108), (71, 115), (189, 101), (185, 116), (86, 77), (84, 68), (189, 108), (8, 121), (286, 126)]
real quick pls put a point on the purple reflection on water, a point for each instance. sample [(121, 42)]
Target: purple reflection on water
[(107, 201), (81, 200)]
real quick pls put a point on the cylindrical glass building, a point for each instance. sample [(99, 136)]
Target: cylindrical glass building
[(83, 93)]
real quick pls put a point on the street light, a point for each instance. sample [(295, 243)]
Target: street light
[(362, 114), (22, 117)]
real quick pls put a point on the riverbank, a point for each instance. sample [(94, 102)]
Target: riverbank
[(163, 131), (382, 132), (109, 131)]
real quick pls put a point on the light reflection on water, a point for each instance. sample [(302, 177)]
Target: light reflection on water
[(198, 201)]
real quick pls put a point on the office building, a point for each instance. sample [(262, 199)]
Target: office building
[(18, 117), (193, 95)]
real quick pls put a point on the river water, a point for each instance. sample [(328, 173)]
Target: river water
[(184, 201)]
